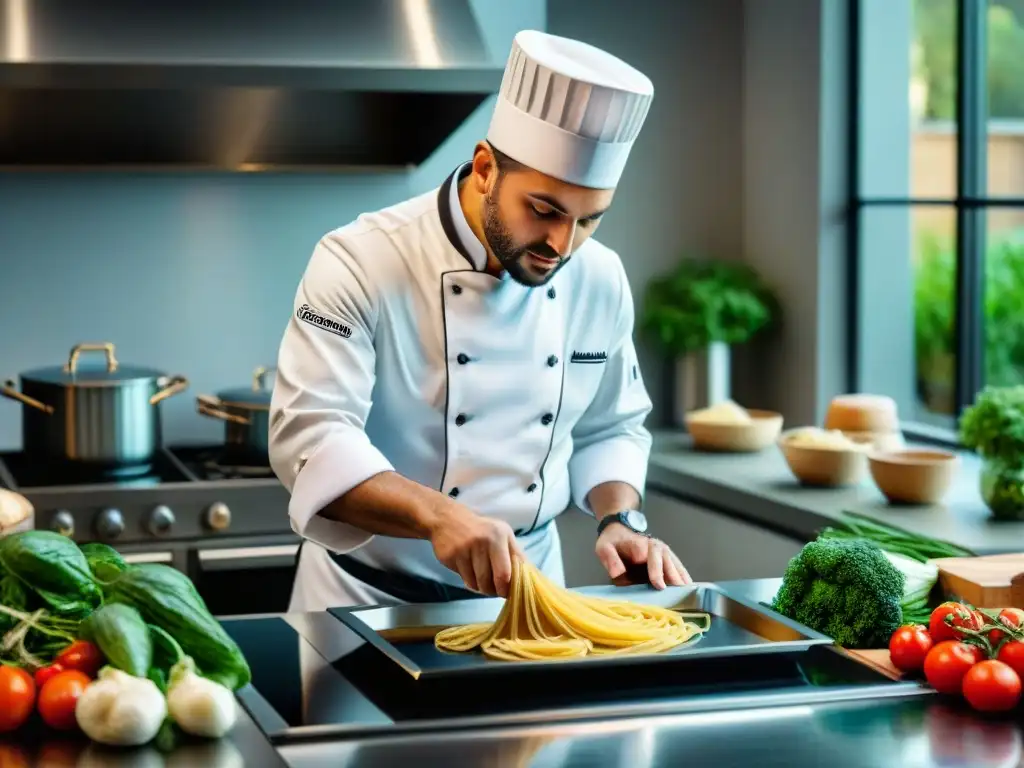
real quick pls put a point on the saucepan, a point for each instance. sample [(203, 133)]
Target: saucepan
[(94, 416), (245, 412)]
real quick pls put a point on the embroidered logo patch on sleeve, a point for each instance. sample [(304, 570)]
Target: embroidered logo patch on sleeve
[(318, 319)]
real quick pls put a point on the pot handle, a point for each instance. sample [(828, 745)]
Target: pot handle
[(78, 349), (174, 386), (210, 406), (259, 378), (10, 391)]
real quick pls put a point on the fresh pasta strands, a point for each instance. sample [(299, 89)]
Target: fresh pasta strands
[(543, 621)]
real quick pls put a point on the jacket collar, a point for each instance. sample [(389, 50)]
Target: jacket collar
[(453, 220)]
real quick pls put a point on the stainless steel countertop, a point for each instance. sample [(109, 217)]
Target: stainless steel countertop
[(760, 488), (910, 732)]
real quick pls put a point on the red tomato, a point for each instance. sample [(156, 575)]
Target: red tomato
[(83, 656), (992, 686), (58, 698), (1012, 654), (908, 647), (1011, 617), (17, 697), (45, 673), (962, 617), (948, 662)]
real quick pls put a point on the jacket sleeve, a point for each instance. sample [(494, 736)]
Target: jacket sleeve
[(325, 376), (610, 441)]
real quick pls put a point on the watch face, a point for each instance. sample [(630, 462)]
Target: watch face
[(636, 520)]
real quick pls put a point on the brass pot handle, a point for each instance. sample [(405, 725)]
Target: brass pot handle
[(211, 406), (10, 390), (174, 386), (259, 378), (78, 349)]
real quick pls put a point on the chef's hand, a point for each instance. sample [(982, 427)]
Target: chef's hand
[(621, 550), (477, 548)]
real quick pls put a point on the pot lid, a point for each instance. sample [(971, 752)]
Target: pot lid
[(257, 394), (245, 396), (92, 369)]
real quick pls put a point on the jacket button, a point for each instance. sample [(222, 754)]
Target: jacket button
[(453, 492), (551, 293), (460, 420), (531, 488), (463, 358), (546, 419), (552, 361), (456, 289)]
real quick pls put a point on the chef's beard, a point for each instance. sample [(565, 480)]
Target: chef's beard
[(511, 256)]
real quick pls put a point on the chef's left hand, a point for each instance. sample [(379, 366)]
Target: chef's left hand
[(621, 550)]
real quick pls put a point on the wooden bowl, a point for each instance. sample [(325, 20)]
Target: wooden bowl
[(825, 466), (762, 431), (917, 476)]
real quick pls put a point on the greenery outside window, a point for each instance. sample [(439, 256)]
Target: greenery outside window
[(938, 201)]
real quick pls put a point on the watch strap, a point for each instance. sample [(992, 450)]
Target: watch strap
[(618, 517)]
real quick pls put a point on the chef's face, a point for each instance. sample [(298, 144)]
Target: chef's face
[(534, 223)]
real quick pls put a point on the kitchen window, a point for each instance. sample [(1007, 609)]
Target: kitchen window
[(938, 203)]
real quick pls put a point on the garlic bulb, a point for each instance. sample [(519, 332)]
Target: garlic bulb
[(120, 710), (199, 706)]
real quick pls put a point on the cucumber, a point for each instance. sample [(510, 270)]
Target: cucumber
[(167, 599), (122, 637)]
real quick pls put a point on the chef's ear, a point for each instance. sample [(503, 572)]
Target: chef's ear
[(485, 168)]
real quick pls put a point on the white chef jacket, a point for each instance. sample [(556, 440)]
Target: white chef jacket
[(403, 354)]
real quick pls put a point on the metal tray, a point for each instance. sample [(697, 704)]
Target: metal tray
[(405, 633)]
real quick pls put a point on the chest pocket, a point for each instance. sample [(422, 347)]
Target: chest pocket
[(584, 371)]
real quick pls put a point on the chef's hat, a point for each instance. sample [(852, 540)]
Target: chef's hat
[(569, 110)]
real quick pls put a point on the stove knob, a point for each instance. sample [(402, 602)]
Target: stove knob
[(160, 520), (218, 516), (110, 523), (63, 523)]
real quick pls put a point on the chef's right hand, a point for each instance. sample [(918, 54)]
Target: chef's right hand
[(477, 548)]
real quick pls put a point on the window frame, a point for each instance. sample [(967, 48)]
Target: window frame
[(971, 203)]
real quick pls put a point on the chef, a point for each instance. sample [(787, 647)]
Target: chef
[(460, 367)]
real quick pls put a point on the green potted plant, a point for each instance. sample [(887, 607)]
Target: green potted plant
[(994, 427), (696, 313)]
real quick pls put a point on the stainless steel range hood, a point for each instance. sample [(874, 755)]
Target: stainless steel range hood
[(236, 84)]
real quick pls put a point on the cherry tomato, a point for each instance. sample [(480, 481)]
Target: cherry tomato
[(947, 663), (1011, 617), (962, 617), (992, 686), (45, 673), (1012, 654), (908, 647), (17, 697), (83, 656), (58, 698)]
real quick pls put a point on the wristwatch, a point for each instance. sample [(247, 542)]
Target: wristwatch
[(633, 519)]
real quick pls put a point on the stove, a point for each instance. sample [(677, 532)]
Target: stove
[(314, 678), (193, 508)]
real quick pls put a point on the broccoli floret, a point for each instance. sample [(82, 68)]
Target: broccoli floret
[(846, 589)]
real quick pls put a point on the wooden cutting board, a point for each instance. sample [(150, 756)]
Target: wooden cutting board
[(992, 581), (16, 513), (877, 659)]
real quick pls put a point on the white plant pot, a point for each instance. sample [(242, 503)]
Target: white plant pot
[(702, 379)]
